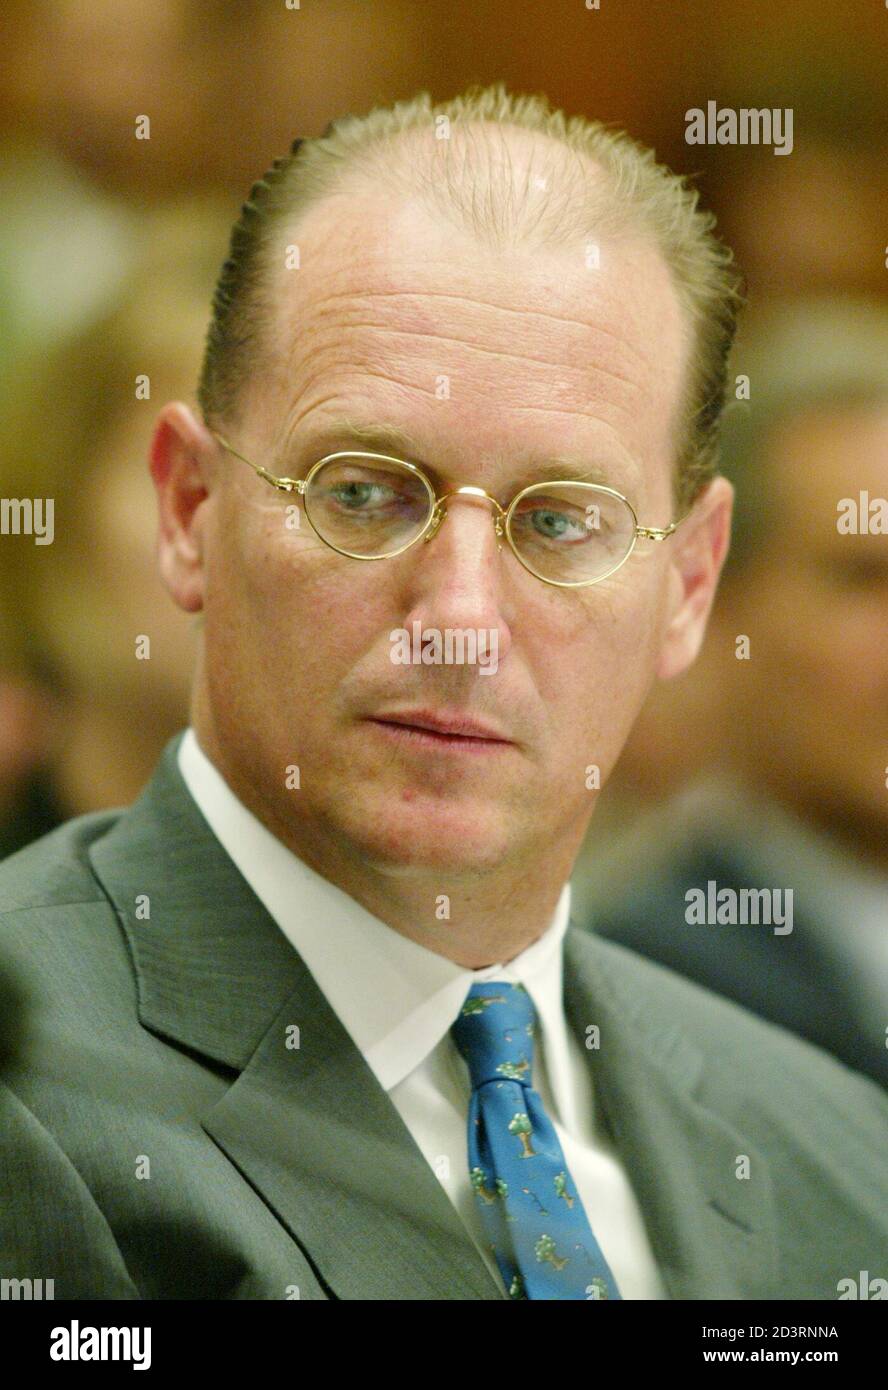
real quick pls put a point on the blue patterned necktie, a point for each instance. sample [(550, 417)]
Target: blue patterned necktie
[(538, 1230)]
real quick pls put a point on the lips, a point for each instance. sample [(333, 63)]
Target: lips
[(453, 725)]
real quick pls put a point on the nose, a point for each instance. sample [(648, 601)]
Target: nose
[(478, 492), (457, 577)]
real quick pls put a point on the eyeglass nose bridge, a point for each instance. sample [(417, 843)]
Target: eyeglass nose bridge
[(440, 511)]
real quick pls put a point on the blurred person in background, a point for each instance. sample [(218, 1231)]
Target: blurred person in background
[(812, 224), (79, 168), (795, 796), (86, 717), (83, 71)]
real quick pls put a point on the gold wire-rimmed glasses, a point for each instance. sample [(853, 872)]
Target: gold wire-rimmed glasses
[(371, 506)]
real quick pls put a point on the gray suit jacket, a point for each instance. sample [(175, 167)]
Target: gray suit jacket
[(160, 1139)]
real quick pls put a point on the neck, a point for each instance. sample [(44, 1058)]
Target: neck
[(473, 918)]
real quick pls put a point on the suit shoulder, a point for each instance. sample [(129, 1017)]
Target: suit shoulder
[(748, 1057), (55, 869)]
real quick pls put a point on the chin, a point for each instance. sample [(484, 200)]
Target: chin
[(452, 838)]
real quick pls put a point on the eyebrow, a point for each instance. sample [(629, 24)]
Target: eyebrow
[(386, 438)]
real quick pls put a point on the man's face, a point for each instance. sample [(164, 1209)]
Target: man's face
[(816, 601), (541, 356)]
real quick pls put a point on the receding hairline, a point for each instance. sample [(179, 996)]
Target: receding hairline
[(548, 193)]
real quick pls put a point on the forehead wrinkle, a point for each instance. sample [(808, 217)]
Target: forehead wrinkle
[(293, 421), (420, 332), (383, 252), (407, 307), (313, 352), (523, 311), (616, 451), (497, 353), (382, 310)]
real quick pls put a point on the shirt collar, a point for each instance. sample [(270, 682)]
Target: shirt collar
[(397, 999)]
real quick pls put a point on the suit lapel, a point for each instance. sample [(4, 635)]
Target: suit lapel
[(315, 1133), (711, 1231), (307, 1125)]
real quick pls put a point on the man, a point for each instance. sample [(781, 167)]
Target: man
[(309, 1020), (797, 802)]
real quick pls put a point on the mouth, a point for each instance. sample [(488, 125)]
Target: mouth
[(441, 731)]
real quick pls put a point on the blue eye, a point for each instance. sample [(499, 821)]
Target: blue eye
[(354, 495), (555, 525), (550, 523)]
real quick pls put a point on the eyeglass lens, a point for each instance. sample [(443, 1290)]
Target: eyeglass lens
[(567, 532)]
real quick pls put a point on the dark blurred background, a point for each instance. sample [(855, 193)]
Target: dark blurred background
[(110, 248)]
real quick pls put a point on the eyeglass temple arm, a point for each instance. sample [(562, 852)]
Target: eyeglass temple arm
[(282, 484)]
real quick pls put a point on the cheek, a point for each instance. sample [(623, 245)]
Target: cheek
[(594, 664), (287, 609), (257, 571)]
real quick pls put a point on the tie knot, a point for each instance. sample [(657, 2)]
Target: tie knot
[(494, 1032)]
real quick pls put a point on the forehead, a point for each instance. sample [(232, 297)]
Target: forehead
[(393, 315)]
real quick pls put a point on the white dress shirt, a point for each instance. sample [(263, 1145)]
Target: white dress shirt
[(398, 1001)]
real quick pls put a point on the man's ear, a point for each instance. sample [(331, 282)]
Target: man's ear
[(180, 459), (700, 547)]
